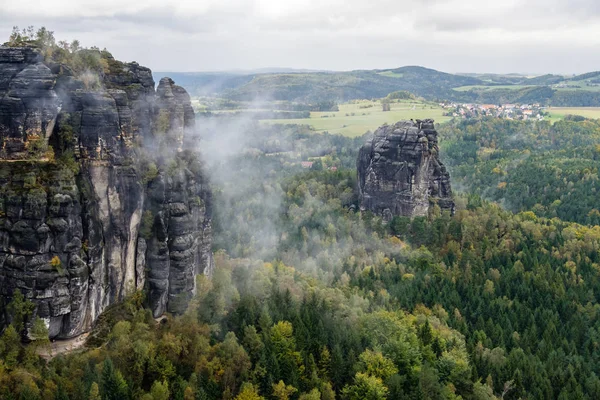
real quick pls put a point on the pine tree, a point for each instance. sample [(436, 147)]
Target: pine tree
[(39, 334), (160, 391), (338, 369), (114, 386), (10, 346), (324, 363), (426, 333), (94, 392), (249, 392), (20, 309)]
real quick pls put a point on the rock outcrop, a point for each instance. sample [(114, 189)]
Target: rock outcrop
[(400, 173), (97, 198)]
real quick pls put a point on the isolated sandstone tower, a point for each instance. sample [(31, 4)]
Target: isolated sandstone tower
[(400, 173)]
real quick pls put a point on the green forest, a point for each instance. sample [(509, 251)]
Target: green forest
[(313, 299), (549, 169)]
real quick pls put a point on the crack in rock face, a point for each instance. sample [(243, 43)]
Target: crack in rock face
[(400, 173)]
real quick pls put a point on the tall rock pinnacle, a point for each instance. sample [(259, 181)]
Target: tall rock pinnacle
[(400, 173)]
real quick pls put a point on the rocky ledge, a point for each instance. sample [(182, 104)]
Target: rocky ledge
[(400, 173)]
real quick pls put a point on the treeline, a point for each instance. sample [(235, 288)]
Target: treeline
[(88, 64), (257, 115), (542, 94), (550, 169)]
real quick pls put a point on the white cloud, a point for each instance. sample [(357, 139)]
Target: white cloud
[(452, 35)]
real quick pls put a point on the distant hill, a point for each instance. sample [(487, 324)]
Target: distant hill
[(548, 79), (583, 77), (317, 86), (420, 76), (343, 86), (206, 83), (498, 79)]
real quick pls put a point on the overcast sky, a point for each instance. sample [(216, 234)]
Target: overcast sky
[(527, 36)]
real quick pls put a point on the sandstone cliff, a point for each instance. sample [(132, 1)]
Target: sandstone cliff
[(97, 200), (400, 173)]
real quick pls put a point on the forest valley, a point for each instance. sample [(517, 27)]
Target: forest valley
[(312, 299)]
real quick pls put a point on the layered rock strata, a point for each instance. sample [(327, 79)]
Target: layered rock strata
[(97, 198), (400, 173)]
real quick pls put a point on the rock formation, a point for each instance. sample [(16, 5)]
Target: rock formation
[(97, 200), (400, 173)]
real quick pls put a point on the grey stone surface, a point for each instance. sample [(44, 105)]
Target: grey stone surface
[(400, 173), (71, 240)]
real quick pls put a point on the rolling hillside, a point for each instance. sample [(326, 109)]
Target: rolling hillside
[(311, 87)]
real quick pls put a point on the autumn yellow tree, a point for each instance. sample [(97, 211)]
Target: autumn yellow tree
[(282, 391)]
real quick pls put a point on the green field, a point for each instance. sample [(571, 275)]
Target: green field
[(569, 85), (483, 88), (391, 74), (557, 113), (577, 85), (365, 119)]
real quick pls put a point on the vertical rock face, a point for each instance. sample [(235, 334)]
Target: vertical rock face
[(176, 111), (97, 199), (177, 206), (400, 173), (28, 102)]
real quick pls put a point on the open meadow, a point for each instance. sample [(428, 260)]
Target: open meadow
[(557, 113), (356, 118), (483, 88)]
